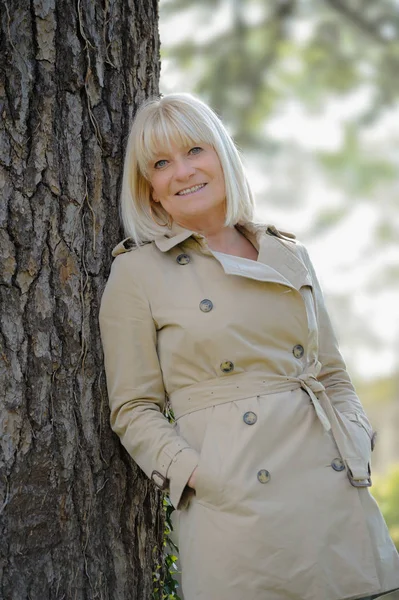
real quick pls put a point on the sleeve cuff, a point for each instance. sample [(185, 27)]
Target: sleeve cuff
[(179, 473)]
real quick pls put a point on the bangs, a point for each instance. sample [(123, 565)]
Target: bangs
[(166, 128)]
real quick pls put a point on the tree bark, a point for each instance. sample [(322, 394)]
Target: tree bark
[(78, 519)]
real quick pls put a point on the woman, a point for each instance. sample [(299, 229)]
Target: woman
[(268, 461)]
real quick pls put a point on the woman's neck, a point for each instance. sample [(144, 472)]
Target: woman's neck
[(223, 239)]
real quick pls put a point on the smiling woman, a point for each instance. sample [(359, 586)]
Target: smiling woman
[(268, 462), (189, 185)]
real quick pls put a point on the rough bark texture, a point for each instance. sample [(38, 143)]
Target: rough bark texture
[(78, 519)]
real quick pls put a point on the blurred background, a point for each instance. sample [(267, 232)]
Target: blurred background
[(309, 90)]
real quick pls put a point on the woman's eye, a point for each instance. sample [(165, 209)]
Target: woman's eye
[(160, 163), (195, 150)]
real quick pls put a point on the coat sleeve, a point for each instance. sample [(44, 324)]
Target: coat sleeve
[(135, 385), (333, 373)]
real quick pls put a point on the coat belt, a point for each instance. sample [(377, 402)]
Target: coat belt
[(246, 385), (357, 466)]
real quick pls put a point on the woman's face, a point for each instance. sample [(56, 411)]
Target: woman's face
[(189, 183)]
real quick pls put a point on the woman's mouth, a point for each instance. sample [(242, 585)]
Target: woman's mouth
[(191, 190)]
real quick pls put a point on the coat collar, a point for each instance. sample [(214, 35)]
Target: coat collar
[(178, 234), (173, 237), (277, 261), (165, 242)]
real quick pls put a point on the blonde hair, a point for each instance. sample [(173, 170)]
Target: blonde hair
[(184, 120)]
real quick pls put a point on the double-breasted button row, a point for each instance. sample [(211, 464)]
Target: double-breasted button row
[(205, 306), (249, 417)]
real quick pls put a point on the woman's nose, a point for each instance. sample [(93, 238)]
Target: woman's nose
[(184, 169)]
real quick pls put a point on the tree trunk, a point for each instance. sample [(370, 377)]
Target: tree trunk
[(78, 519)]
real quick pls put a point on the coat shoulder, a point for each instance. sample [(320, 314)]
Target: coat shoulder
[(132, 259), (290, 241), (130, 265)]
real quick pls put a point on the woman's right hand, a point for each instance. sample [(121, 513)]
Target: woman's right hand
[(191, 481)]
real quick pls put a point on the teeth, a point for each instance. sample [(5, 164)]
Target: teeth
[(190, 190)]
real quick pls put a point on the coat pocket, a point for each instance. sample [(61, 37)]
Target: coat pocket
[(207, 482)]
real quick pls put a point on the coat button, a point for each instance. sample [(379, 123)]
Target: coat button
[(298, 351), (263, 476), (206, 305), (227, 366), (337, 464), (250, 417), (183, 259)]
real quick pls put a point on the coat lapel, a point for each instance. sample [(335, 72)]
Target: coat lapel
[(243, 267), (274, 254), (275, 264)]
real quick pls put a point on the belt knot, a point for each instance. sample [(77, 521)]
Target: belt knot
[(313, 386), (308, 380)]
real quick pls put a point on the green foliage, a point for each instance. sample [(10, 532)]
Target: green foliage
[(386, 492), (165, 584), (381, 391), (358, 171), (387, 232), (327, 219)]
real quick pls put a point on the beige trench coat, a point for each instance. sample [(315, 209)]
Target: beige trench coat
[(246, 355)]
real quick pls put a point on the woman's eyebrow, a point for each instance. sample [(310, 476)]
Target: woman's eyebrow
[(158, 156)]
